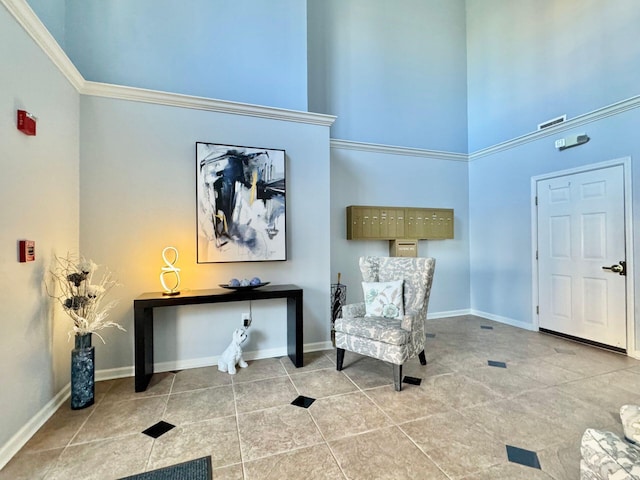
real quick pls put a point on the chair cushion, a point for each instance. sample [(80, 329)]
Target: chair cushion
[(383, 299), (375, 328), (607, 456)]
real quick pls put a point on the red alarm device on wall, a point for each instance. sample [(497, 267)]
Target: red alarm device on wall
[(27, 251), (26, 122)]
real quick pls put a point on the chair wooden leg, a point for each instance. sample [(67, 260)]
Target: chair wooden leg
[(340, 358), (397, 377), (423, 358)]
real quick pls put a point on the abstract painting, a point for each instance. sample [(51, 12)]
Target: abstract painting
[(241, 202)]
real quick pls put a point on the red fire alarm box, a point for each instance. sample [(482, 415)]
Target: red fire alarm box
[(27, 250), (26, 122)]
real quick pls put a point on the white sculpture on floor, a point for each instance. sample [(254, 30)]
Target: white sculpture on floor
[(233, 354)]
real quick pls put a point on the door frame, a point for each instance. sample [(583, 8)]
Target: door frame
[(628, 239)]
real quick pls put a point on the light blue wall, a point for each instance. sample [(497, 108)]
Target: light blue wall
[(500, 210), (53, 14), (533, 60), (529, 61), (367, 178), (248, 51), (393, 72)]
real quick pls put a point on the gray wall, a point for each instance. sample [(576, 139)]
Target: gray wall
[(366, 178), (39, 197), (137, 196)]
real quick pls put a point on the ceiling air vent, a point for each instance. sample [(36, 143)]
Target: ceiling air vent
[(552, 122)]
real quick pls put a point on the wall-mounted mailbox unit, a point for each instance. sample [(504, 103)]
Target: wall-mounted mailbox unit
[(393, 223)]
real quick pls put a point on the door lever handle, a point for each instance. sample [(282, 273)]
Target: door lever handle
[(620, 268)]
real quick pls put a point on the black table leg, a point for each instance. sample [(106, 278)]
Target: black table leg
[(294, 330), (143, 326)]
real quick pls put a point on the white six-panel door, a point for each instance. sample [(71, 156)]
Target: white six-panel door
[(581, 230)]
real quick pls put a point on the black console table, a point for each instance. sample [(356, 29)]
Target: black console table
[(143, 319)]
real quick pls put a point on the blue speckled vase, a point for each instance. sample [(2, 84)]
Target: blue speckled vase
[(82, 373)]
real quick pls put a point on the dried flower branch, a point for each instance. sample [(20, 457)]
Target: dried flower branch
[(81, 298)]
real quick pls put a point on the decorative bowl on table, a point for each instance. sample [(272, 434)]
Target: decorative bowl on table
[(245, 284)]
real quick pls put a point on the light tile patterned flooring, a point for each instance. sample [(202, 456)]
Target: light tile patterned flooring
[(455, 425)]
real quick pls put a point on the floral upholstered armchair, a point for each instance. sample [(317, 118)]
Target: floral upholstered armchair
[(606, 456), (390, 324)]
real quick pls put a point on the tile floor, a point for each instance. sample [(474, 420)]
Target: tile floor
[(538, 394)]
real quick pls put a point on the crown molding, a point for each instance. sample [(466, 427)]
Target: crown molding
[(392, 150), (584, 119), (34, 27), (590, 117), (134, 94)]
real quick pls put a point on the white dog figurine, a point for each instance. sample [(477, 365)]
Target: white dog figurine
[(233, 353)]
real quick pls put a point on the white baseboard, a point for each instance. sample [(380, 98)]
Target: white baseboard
[(505, 320), (477, 313), (113, 373), (318, 346), (213, 360), (447, 314), (22, 436), (16, 442), (528, 326), (634, 354)]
